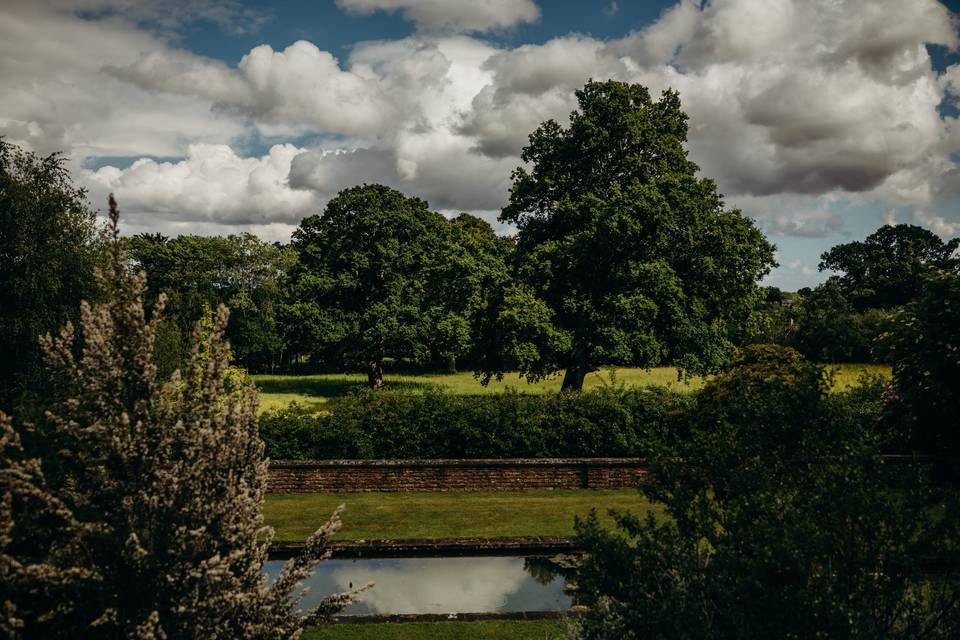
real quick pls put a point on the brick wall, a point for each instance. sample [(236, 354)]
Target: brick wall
[(322, 476)]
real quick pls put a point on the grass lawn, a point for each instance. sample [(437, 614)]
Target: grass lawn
[(496, 630), (848, 375), (444, 515), (277, 391)]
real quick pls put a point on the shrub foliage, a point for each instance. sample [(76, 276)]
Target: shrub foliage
[(784, 522), (145, 520), (924, 342), (435, 424)]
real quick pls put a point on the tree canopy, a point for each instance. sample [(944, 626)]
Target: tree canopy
[(633, 256), (924, 344), (463, 279), (888, 268), (360, 292), (48, 248), (197, 273), (843, 318), (781, 520)]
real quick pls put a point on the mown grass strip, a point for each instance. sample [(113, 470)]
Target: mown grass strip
[(495, 630), (445, 515)]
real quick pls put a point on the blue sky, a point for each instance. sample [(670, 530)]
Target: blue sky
[(820, 120), (333, 29)]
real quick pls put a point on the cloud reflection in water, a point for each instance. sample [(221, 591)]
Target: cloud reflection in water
[(435, 585)]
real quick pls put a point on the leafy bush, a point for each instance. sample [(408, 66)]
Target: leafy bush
[(924, 343), (784, 522), (436, 424), (296, 433)]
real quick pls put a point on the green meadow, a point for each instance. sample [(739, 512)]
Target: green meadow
[(277, 391)]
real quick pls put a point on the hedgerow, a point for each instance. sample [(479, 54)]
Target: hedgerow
[(607, 422)]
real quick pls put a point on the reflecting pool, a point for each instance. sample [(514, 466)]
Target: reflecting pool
[(440, 585)]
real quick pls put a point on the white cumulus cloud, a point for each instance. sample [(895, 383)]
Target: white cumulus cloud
[(530, 84), (211, 185), (301, 86), (814, 97), (57, 98), (935, 223), (797, 107)]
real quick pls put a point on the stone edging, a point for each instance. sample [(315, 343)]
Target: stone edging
[(433, 547), (575, 612), (457, 462)]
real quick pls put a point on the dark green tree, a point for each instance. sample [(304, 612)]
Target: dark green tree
[(190, 270), (257, 289), (147, 522), (197, 273), (463, 280), (772, 295), (360, 292), (830, 329), (887, 269), (633, 254), (518, 332), (48, 249)]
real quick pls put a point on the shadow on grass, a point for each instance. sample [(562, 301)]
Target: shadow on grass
[(323, 387)]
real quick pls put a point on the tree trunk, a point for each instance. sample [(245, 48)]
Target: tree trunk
[(451, 364), (374, 375), (574, 375)]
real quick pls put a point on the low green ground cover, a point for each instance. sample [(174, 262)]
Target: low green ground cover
[(492, 629), (445, 515), (277, 391)]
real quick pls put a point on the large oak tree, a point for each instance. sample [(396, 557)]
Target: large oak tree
[(633, 255), (360, 293)]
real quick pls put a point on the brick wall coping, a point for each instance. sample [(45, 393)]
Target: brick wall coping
[(499, 474), (458, 462)]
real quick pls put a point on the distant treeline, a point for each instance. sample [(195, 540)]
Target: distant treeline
[(309, 305), (277, 324), (848, 317)]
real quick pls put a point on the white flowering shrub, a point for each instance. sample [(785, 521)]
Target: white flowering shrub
[(145, 520)]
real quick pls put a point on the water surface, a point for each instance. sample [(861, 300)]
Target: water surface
[(439, 585)]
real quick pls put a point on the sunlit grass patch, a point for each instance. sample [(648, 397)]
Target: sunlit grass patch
[(846, 376), (446, 515), (277, 391)]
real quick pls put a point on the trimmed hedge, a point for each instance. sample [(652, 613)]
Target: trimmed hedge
[(438, 424)]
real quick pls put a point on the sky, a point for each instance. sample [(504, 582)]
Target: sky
[(820, 119)]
